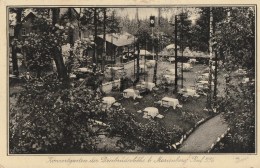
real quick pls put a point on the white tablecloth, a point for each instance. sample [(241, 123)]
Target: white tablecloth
[(148, 85), (169, 78), (151, 111), (168, 101), (108, 101), (127, 93), (189, 92)]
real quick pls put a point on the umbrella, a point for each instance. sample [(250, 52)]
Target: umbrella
[(171, 46)]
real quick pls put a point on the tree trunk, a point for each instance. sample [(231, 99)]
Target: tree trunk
[(138, 52), (16, 35), (137, 65), (79, 24), (95, 37), (215, 79), (104, 39), (71, 41), (209, 95), (57, 55), (58, 59), (55, 15)]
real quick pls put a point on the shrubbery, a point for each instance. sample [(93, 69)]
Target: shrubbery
[(51, 116)]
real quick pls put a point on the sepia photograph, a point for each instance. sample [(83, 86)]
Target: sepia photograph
[(131, 79)]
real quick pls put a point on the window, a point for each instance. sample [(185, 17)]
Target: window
[(23, 32)]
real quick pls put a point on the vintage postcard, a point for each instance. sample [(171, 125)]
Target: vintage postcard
[(129, 84)]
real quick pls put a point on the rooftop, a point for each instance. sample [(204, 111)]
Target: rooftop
[(119, 39)]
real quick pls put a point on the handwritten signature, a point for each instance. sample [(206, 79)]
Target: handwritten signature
[(239, 159)]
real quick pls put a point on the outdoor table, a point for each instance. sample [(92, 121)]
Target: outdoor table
[(188, 92), (171, 59), (169, 78), (127, 93), (151, 111), (148, 85), (168, 101), (108, 101)]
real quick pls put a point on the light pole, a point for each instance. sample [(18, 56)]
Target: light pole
[(176, 50), (181, 38), (175, 53)]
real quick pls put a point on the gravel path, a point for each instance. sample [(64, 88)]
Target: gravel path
[(203, 137)]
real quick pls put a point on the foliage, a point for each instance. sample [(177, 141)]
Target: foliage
[(151, 137), (235, 37), (87, 20), (183, 30), (53, 117), (235, 41), (239, 108), (189, 117), (39, 48), (79, 59), (143, 37), (199, 39)]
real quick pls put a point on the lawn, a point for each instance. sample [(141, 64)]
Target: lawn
[(172, 117)]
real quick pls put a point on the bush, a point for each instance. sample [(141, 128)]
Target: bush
[(52, 117), (151, 137)]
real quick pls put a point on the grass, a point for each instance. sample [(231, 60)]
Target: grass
[(172, 117)]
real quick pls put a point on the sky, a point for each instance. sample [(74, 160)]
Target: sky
[(144, 13)]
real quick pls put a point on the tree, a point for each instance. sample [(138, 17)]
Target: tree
[(99, 22), (15, 48), (235, 39), (44, 46), (199, 39), (54, 118)]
